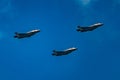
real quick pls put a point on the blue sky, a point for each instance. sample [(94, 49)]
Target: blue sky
[(97, 57)]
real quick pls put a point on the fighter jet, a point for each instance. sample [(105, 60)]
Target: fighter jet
[(27, 34), (64, 52), (89, 28)]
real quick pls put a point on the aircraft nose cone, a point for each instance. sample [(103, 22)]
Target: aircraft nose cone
[(74, 49), (37, 30), (101, 24)]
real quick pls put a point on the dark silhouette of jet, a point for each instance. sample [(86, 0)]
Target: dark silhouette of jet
[(64, 52), (89, 28), (27, 34)]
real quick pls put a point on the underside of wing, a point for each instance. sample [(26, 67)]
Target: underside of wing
[(21, 34)]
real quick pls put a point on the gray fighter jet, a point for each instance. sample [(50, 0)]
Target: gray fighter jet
[(27, 34), (64, 52), (89, 28)]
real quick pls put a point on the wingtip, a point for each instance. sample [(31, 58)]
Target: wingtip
[(15, 36), (54, 50), (16, 32), (78, 26)]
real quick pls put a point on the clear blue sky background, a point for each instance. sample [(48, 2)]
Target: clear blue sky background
[(98, 54)]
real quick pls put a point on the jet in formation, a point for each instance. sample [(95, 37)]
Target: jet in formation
[(64, 52), (89, 28), (27, 34)]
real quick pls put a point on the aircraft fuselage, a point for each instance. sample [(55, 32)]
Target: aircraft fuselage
[(89, 28), (64, 52), (25, 35)]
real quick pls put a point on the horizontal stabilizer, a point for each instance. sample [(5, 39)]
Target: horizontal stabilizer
[(78, 26), (16, 32), (15, 36), (54, 50)]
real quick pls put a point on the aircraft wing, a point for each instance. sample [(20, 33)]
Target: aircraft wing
[(20, 34), (59, 52)]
